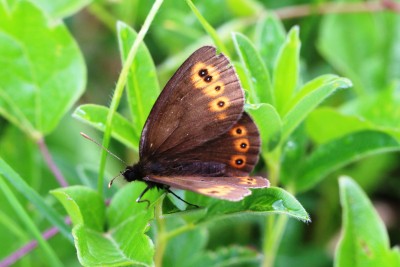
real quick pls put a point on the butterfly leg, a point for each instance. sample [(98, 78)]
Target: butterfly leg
[(139, 199), (178, 197)]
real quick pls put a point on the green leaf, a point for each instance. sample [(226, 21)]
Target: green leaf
[(45, 71), (364, 241), (208, 28), (261, 201), (380, 110), (50, 254), (308, 98), (286, 71), (124, 242), (372, 65), (293, 155), (30, 194), (269, 124), (84, 205), (124, 245), (270, 37), (61, 8), (325, 124), (123, 205), (256, 72), (142, 85), (122, 129), (339, 152)]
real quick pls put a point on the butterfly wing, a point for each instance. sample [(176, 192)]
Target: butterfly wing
[(201, 101), (238, 149), (228, 188)]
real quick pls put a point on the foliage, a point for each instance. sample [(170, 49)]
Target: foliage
[(315, 125)]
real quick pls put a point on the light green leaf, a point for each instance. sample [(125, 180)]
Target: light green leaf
[(142, 85), (124, 242), (261, 201), (269, 124), (208, 28), (30, 194), (256, 72), (339, 152), (84, 205), (45, 71), (269, 36), (124, 245), (364, 240), (308, 98), (286, 71), (122, 129), (325, 124)]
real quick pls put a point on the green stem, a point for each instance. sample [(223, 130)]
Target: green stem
[(276, 225), (120, 89), (161, 241)]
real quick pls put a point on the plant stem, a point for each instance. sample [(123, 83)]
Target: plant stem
[(50, 162), (120, 89), (276, 225), (103, 15), (161, 240)]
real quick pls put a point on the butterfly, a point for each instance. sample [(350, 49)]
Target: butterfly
[(197, 136)]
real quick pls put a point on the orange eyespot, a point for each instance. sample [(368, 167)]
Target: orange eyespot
[(203, 75), (219, 104), (241, 144), (238, 161), (238, 131)]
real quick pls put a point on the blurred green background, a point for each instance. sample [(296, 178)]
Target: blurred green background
[(362, 46)]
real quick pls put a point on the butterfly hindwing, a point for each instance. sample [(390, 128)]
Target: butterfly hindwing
[(238, 149), (201, 101), (229, 188)]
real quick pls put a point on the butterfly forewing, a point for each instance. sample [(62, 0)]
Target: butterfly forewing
[(201, 101)]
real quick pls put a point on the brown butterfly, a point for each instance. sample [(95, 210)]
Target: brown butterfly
[(197, 136)]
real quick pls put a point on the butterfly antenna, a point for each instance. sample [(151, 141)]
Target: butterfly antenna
[(109, 152), (112, 180)]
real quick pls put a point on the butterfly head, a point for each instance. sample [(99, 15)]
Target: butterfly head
[(133, 173)]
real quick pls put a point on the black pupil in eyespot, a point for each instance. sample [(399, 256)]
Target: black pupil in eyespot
[(203, 72), (243, 145), (217, 88), (221, 103), (239, 131), (208, 78), (239, 162)]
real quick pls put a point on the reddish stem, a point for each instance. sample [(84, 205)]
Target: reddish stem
[(50, 162)]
